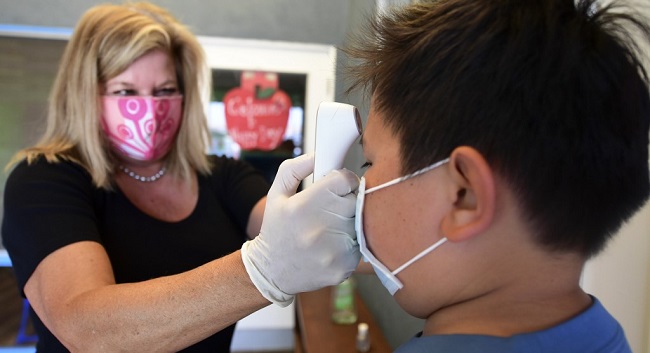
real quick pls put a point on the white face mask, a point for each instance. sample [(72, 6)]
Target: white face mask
[(388, 278)]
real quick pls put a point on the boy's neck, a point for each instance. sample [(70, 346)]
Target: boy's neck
[(517, 305)]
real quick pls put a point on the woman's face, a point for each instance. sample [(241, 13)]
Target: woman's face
[(152, 74), (142, 108)]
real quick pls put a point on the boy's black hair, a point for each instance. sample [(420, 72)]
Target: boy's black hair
[(553, 94)]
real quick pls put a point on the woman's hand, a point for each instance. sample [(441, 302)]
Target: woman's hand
[(307, 239)]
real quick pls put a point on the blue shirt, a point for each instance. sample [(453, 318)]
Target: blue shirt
[(593, 331)]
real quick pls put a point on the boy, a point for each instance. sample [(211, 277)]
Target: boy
[(507, 141)]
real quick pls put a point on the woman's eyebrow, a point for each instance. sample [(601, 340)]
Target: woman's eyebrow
[(120, 83), (170, 81)]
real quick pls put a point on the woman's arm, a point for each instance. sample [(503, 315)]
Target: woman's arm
[(306, 244), (255, 219), (74, 293)]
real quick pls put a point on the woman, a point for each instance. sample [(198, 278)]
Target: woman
[(124, 235)]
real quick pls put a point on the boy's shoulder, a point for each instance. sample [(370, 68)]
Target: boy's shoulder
[(594, 330)]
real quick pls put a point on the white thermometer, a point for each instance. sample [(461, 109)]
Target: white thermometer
[(338, 125)]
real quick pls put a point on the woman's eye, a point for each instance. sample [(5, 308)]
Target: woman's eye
[(169, 91), (366, 165), (124, 92)]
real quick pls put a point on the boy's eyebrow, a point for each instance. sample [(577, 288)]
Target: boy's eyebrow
[(361, 140)]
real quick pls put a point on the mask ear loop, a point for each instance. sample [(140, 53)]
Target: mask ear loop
[(398, 180), (408, 176), (420, 255)]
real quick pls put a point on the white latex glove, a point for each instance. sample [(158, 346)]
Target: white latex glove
[(307, 240)]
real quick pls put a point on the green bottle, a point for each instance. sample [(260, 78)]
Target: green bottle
[(344, 310)]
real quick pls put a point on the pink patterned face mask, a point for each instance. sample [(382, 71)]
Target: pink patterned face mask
[(142, 127)]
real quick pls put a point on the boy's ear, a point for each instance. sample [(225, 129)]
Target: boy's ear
[(472, 181)]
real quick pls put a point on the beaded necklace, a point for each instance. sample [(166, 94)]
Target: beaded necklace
[(143, 179)]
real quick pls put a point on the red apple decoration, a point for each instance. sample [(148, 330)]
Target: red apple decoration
[(257, 112)]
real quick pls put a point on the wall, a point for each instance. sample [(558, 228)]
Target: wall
[(620, 278), (288, 20)]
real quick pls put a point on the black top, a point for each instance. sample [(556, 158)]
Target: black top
[(50, 205)]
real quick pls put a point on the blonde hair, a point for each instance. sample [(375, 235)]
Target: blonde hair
[(106, 41)]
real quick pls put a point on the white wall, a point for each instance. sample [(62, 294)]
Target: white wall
[(620, 279)]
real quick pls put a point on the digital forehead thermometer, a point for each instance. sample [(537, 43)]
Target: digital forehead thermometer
[(338, 125)]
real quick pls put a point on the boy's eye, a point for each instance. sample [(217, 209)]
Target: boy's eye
[(366, 165)]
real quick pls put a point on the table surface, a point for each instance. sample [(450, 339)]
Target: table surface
[(318, 334)]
